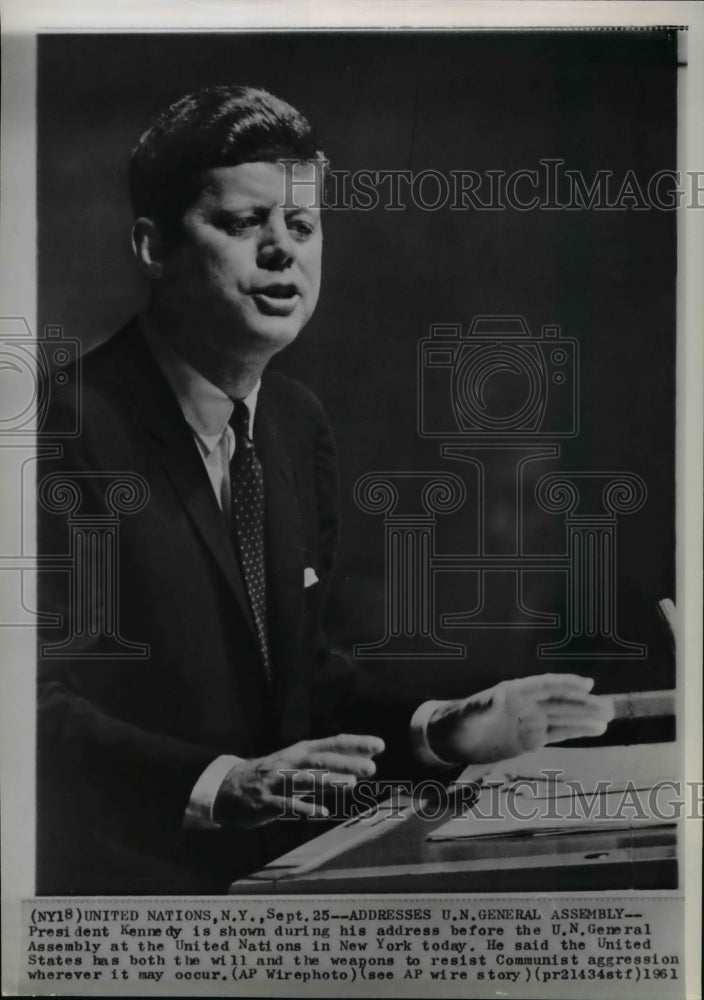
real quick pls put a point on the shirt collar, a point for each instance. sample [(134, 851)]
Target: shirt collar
[(206, 407)]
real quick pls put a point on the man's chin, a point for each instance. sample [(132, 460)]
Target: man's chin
[(274, 334)]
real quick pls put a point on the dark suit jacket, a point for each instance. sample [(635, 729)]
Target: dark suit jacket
[(123, 740)]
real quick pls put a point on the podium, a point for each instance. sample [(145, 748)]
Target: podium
[(375, 853)]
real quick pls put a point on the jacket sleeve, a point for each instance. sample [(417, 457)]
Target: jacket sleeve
[(79, 740)]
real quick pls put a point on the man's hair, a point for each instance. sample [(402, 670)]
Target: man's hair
[(214, 127)]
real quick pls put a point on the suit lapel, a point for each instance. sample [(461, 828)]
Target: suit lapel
[(177, 452), (284, 542)]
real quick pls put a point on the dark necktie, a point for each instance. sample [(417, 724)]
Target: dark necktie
[(247, 485)]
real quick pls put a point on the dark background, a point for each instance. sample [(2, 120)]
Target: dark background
[(598, 100)]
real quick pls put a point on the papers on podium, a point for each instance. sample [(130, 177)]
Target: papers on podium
[(567, 790)]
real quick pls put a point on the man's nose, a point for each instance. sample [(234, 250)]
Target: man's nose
[(276, 249)]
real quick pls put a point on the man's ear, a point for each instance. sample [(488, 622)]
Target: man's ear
[(148, 247)]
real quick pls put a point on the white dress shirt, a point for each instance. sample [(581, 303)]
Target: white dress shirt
[(207, 410)]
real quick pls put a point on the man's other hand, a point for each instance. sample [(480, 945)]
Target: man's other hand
[(259, 791), (516, 716)]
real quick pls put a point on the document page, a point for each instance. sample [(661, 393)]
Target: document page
[(556, 790)]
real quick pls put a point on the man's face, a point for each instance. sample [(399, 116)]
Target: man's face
[(244, 277)]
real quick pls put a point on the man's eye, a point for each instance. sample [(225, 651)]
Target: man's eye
[(243, 224), (301, 228)]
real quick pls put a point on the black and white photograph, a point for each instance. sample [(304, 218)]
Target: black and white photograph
[(345, 450)]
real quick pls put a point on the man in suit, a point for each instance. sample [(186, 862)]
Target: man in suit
[(168, 774)]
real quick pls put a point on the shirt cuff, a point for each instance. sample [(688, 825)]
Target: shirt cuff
[(419, 736), (199, 811)]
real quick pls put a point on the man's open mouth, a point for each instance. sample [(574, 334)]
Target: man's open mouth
[(278, 291), (278, 299)]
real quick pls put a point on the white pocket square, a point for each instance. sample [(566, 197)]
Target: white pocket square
[(309, 576)]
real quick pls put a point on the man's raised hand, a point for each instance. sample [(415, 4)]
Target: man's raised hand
[(261, 790), (516, 716)]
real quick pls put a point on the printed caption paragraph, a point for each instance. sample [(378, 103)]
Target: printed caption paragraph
[(276, 947)]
